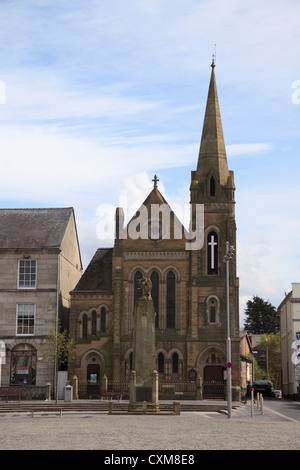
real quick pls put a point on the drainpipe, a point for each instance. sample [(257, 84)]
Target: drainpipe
[(57, 291), (56, 316)]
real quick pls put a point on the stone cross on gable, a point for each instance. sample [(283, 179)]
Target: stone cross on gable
[(155, 181)]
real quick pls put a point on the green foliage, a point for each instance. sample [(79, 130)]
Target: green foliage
[(271, 366), (270, 344), (259, 373), (261, 317)]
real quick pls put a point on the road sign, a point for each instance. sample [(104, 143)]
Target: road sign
[(229, 365), (296, 357)]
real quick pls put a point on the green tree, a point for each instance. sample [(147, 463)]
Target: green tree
[(58, 349), (259, 373), (270, 344), (261, 317)]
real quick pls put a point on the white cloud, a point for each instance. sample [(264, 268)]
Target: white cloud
[(268, 242), (40, 159), (42, 95), (236, 150)]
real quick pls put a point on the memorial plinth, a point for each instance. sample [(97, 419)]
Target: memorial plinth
[(144, 377)]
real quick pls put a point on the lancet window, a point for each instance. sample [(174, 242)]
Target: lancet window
[(155, 296), (171, 300), (212, 253), (212, 187)]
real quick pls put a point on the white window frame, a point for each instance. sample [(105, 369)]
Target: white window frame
[(19, 274), (30, 315)]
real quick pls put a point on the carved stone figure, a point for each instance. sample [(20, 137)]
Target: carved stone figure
[(145, 285)]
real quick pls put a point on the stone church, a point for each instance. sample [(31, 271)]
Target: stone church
[(188, 285)]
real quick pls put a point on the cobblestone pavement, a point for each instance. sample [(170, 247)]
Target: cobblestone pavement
[(188, 431)]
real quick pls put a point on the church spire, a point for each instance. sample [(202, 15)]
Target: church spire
[(212, 155)]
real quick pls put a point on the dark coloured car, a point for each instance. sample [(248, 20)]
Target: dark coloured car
[(264, 387)]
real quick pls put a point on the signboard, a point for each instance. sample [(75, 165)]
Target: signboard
[(296, 357), (93, 379), (297, 372), (297, 334), (192, 375), (229, 365), (23, 370)]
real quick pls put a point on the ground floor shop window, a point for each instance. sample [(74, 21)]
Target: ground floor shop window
[(23, 365)]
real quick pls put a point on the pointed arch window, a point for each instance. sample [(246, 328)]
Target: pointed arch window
[(212, 253), (212, 187), (103, 320), (155, 295), (85, 326), (212, 306), (137, 292), (94, 323), (171, 300), (213, 310), (175, 363), (161, 363)]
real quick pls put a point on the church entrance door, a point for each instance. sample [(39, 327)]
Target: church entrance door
[(213, 383), (93, 379)]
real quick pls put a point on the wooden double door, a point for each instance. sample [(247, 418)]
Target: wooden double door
[(213, 382)]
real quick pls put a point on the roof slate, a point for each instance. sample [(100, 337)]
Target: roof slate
[(98, 274), (33, 228)]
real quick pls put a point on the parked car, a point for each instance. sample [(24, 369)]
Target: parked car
[(264, 387)]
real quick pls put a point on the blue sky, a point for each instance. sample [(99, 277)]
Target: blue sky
[(96, 97)]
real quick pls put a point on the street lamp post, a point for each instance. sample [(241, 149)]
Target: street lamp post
[(267, 359), (253, 372), (228, 256)]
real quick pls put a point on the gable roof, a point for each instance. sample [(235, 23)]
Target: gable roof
[(98, 274), (33, 228), (155, 198)]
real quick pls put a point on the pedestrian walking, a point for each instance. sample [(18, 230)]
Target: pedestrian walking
[(248, 392)]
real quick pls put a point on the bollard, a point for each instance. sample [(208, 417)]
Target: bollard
[(252, 411), (144, 407), (257, 401), (176, 407), (261, 404), (110, 407)]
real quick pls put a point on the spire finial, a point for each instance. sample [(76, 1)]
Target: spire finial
[(155, 182), (214, 57)]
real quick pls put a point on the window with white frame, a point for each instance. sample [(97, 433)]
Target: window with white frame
[(27, 274), (25, 319)]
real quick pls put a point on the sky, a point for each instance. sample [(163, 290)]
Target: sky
[(96, 97)]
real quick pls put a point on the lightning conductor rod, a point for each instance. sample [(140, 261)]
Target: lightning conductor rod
[(214, 56)]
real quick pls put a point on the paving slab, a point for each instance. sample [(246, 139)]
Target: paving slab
[(190, 431)]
